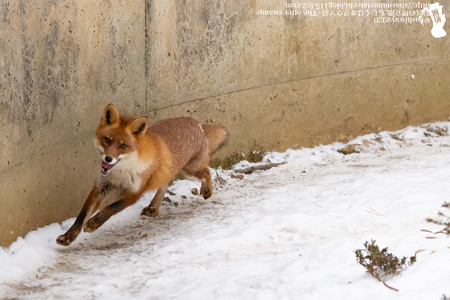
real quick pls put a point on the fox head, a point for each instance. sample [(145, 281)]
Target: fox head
[(116, 137)]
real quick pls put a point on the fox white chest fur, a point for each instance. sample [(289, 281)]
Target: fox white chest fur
[(126, 173)]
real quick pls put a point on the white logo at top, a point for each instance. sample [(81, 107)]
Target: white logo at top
[(438, 18)]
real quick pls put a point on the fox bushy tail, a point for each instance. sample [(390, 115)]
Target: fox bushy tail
[(216, 135)]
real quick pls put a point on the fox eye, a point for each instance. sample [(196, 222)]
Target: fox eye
[(123, 146), (107, 140)]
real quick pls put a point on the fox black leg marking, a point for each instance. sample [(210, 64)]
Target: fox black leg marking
[(89, 207)]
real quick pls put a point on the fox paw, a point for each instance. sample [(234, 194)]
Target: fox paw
[(206, 192), (149, 212), (64, 240)]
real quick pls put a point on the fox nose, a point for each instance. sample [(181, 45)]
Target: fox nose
[(108, 159)]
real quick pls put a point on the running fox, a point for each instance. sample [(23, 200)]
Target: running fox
[(137, 158)]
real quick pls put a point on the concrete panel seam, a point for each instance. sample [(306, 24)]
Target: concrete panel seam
[(423, 61)]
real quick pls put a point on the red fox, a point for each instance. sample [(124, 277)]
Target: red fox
[(136, 158)]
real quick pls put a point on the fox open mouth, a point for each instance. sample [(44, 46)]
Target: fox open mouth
[(106, 168)]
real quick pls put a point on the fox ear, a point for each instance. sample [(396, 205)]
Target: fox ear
[(110, 116), (138, 126)]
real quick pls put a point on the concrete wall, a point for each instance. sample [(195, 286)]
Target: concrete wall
[(276, 82), (61, 62)]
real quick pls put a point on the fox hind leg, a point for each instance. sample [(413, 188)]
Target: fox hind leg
[(153, 209), (206, 188), (205, 177)]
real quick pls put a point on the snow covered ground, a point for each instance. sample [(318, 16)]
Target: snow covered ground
[(285, 233)]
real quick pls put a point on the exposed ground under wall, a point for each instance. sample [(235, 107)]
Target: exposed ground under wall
[(276, 82)]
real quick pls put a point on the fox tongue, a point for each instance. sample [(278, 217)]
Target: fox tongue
[(106, 167)]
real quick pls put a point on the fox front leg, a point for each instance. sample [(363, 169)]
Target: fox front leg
[(89, 207), (125, 200)]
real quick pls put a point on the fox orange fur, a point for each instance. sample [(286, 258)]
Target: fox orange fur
[(137, 158)]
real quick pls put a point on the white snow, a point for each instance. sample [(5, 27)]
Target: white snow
[(285, 233)]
